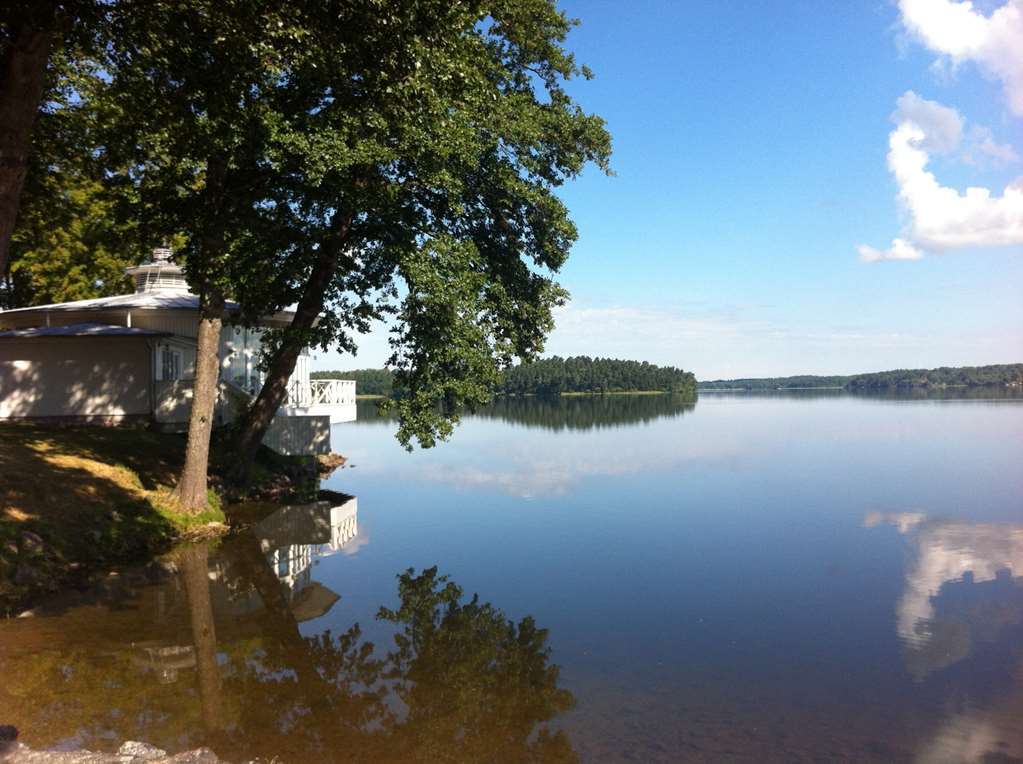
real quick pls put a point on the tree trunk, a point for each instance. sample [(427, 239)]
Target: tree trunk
[(282, 364), (191, 489), (194, 562), (22, 75)]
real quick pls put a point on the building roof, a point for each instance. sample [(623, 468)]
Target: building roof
[(160, 284), (81, 330), (138, 300)]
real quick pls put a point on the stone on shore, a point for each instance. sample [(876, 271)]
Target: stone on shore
[(131, 752)]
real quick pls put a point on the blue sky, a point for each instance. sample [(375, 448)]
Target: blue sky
[(752, 182)]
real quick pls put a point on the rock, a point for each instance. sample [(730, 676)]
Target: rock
[(27, 575), (198, 756), (136, 752), (131, 752), (32, 543), (8, 740), (327, 463)]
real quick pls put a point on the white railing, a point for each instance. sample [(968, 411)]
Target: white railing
[(322, 392)]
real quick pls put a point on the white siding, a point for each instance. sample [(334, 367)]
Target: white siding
[(295, 435), (240, 350), (78, 376), (184, 323), (184, 347), (301, 373)]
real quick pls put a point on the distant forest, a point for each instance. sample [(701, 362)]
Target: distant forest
[(1001, 375), (553, 376), (582, 374)]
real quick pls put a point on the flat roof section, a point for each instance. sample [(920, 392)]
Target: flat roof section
[(80, 330)]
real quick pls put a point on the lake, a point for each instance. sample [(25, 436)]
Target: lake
[(787, 577)]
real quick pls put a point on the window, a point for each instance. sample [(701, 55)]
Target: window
[(170, 364)]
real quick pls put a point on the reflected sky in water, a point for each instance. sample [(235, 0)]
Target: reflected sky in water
[(797, 577)]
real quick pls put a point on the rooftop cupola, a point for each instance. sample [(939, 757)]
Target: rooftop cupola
[(159, 274)]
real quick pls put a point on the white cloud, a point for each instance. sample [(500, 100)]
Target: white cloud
[(899, 250), (943, 131), (960, 33), (942, 218), (941, 125), (939, 217), (984, 149)]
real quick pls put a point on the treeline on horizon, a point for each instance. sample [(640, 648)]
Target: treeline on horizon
[(553, 376), (1000, 375)]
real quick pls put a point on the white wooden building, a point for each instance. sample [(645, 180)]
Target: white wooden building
[(132, 356)]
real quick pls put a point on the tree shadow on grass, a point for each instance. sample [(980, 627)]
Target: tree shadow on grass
[(74, 500)]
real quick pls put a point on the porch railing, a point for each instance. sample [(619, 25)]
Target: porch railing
[(322, 392)]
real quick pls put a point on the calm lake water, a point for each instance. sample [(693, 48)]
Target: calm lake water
[(790, 577)]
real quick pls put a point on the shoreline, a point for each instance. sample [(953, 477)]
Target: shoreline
[(77, 502)]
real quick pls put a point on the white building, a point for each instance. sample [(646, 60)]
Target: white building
[(132, 356)]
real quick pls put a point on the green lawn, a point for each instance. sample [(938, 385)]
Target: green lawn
[(95, 496)]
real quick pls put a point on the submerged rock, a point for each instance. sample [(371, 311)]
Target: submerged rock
[(141, 751), (131, 752), (32, 544), (327, 463)]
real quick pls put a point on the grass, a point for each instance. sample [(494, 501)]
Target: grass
[(97, 497), (187, 523)]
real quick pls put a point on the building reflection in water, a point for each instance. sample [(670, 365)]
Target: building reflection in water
[(962, 603), (291, 539), (294, 537)]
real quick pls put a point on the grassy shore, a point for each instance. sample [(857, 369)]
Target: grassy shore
[(80, 499)]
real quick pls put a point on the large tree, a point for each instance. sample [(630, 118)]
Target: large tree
[(423, 144), (358, 160), (189, 124), (32, 34), (76, 231)]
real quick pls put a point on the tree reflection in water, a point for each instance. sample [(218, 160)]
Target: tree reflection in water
[(584, 412), (461, 682), (469, 677)]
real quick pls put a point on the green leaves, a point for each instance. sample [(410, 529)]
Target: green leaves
[(444, 127), (441, 130)]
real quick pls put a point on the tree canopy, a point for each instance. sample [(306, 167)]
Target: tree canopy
[(423, 144), (70, 241), (361, 161), (551, 376)]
